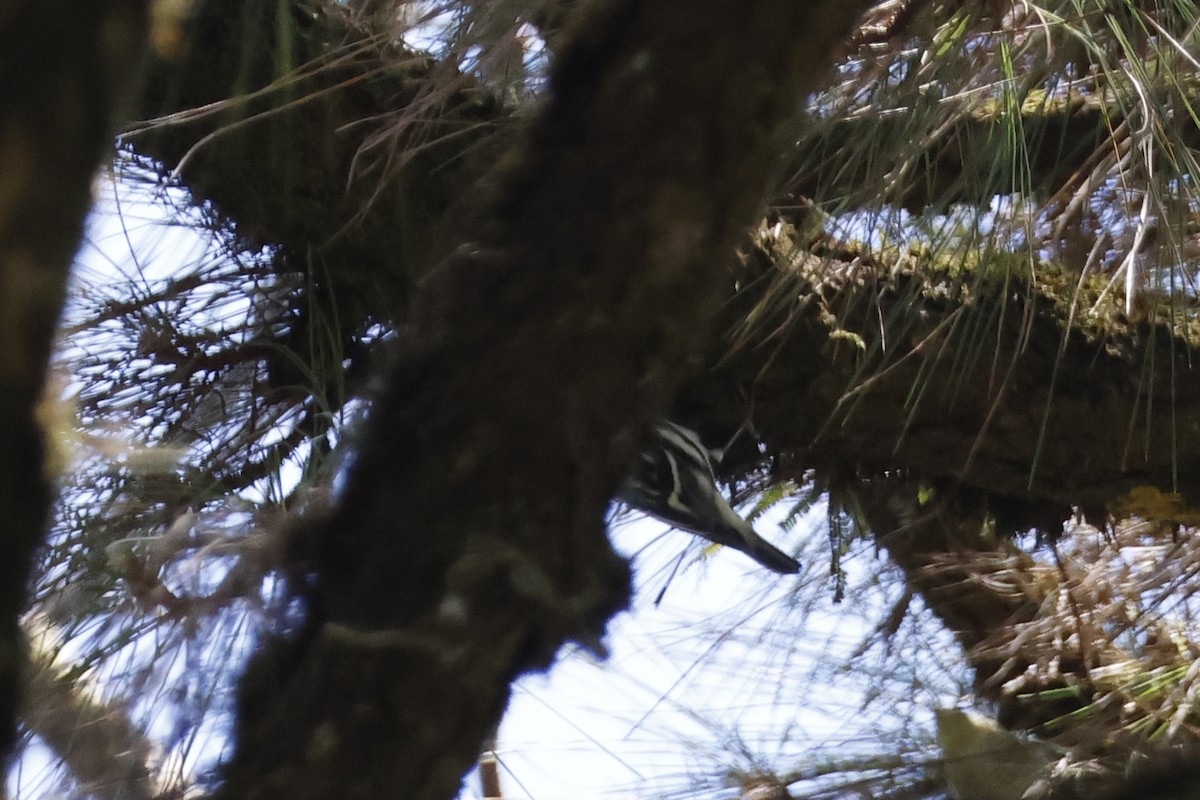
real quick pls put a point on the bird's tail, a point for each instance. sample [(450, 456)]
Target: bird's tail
[(771, 556), (736, 532)]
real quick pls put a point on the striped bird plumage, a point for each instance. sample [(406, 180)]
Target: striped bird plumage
[(674, 481)]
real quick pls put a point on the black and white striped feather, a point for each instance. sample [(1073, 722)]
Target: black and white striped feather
[(674, 481)]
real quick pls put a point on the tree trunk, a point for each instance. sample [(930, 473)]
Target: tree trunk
[(63, 67), (469, 542)]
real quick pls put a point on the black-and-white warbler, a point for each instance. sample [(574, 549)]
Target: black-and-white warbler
[(673, 481)]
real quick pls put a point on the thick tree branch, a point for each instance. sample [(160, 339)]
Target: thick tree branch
[(978, 383), (982, 589), (469, 543), (342, 160)]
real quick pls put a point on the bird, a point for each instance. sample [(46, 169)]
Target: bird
[(673, 481)]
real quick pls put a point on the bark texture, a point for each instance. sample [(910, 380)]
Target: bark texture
[(984, 384)]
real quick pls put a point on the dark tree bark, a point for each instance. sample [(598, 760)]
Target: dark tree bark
[(469, 543), (982, 385), (63, 66)]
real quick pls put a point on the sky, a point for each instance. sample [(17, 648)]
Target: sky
[(735, 667)]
